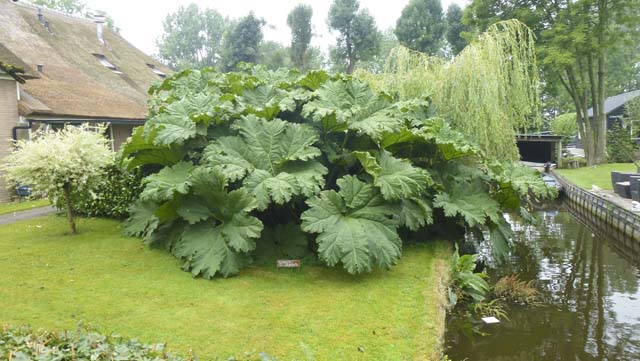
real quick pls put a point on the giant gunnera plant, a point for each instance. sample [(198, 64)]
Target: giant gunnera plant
[(259, 163)]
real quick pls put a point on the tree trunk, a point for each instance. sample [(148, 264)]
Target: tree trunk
[(601, 117), (351, 57), (70, 215), (600, 124)]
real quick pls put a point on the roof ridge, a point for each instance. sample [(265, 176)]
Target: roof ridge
[(30, 5)]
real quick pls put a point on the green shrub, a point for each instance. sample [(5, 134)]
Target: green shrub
[(321, 163), (565, 125), (465, 284), (620, 146), (24, 343), (110, 195)]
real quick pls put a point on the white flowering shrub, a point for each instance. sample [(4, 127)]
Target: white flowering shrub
[(59, 162)]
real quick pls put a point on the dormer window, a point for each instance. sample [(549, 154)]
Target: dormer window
[(106, 63), (156, 71)]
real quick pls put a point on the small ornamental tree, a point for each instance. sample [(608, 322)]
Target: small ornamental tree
[(59, 162), (565, 125)]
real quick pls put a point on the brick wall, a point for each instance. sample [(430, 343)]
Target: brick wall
[(8, 120)]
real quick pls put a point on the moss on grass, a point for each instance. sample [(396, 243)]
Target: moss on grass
[(52, 280), (599, 175), (6, 208)]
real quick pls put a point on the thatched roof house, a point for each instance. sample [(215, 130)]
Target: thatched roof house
[(57, 69)]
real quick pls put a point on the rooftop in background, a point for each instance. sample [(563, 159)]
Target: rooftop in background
[(62, 56), (615, 102)]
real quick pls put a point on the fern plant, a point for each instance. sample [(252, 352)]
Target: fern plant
[(260, 162)]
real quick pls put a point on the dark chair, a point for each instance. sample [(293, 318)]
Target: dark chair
[(623, 189), (635, 188), (617, 177), (614, 179)]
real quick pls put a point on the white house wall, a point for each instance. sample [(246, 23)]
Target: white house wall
[(8, 120)]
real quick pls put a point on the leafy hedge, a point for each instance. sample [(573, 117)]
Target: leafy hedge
[(111, 195), (24, 343), (262, 161)]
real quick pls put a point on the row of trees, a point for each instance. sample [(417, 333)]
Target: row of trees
[(195, 37)]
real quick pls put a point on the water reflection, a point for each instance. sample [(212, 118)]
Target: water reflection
[(592, 299)]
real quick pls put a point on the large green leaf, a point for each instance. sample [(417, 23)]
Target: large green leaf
[(500, 234), (355, 227), (397, 178), (282, 242), (415, 213), (220, 230), (471, 201), (206, 253), (275, 159), (181, 120), (140, 150), (142, 219), (267, 101), (344, 99), (451, 143), (170, 180), (313, 79)]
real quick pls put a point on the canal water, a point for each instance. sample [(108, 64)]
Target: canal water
[(591, 299)]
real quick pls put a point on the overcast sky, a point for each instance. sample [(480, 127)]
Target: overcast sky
[(140, 21)]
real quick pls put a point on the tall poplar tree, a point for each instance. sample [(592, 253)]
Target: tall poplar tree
[(359, 37), (422, 26), (299, 20), (455, 29), (242, 43)]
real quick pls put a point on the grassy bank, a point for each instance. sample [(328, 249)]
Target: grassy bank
[(53, 280), (599, 175), (6, 208)]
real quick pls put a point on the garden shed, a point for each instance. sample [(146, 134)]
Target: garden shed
[(614, 106)]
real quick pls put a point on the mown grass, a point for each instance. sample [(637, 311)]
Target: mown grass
[(51, 280), (6, 208), (599, 175)]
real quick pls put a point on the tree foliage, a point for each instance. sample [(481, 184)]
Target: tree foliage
[(78, 8), (242, 44), (456, 29), (259, 162), (565, 125), (60, 162), (274, 55), (71, 7), (575, 42), (620, 146), (422, 26), (192, 38), (299, 20), (358, 38), (488, 92)]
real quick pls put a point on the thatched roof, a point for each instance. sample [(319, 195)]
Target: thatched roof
[(14, 66), (73, 82)]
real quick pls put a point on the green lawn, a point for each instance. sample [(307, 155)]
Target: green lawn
[(599, 175), (6, 208), (51, 280)]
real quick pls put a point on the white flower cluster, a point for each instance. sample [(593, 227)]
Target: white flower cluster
[(54, 158)]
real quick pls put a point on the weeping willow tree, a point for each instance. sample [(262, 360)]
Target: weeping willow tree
[(489, 91)]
